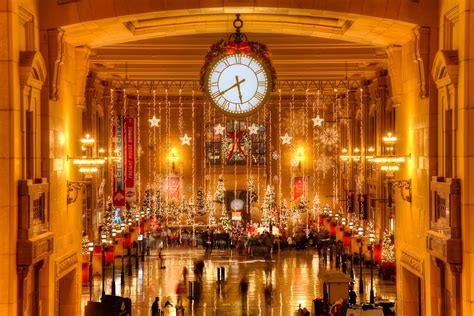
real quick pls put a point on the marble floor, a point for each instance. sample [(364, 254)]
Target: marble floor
[(293, 275)]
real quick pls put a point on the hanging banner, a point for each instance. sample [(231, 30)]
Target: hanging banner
[(299, 187), (350, 201), (118, 197), (173, 188), (129, 158), (119, 154), (362, 206)]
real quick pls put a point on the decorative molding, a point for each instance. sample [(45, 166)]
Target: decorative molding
[(394, 54), (55, 40), (445, 68), (412, 263), (32, 69), (422, 51), (65, 265), (82, 54)]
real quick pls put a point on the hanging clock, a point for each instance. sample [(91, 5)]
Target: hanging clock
[(238, 77)]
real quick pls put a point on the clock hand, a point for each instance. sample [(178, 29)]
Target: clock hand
[(232, 86), (238, 87)]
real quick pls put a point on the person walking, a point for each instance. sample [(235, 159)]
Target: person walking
[(160, 254), (155, 309)]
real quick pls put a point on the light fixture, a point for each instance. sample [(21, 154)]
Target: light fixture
[(114, 232), (90, 246), (103, 238), (360, 231), (371, 238), (343, 221), (87, 140), (88, 170), (351, 225)]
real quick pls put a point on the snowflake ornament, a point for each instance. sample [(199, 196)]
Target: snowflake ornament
[(324, 164), (329, 136), (275, 155)]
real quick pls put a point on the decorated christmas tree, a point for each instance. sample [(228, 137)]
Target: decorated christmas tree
[(225, 220), (284, 212), (370, 229), (108, 217), (220, 190), (200, 207), (209, 203), (303, 204), (316, 205), (183, 207), (85, 245), (268, 207), (252, 190), (158, 203), (147, 205), (128, 212), (388, 247)]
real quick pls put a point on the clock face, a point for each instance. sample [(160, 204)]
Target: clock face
[(238, 84)]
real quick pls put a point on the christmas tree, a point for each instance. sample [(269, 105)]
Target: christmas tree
[(284, 213), (128, 212), (225, 221), (209, 203), (303, 205), (316, 205), (200, 207), (147, 205), (85, 245), (158, 204), (252, 190), (220, 190), (108, 218), (370, 229), (268, 207), (183, 208), (388, 248)]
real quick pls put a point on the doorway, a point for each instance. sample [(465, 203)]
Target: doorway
[(67, 294), (412, 294)]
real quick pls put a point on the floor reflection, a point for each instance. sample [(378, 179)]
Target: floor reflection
[(293, 276)]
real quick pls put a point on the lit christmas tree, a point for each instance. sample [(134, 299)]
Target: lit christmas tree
[(388, 247), (209, 203), (158, 203), (85, 245), (316, 205), (303, 205), (147, 205), (252, 190), (108, 218), (184, 207), (225, 221), (220, 190), (370, 229), (128, 212), (268, 207), (200, 207), (284, 212)]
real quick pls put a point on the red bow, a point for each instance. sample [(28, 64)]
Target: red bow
[(243, 47), (236, 137)]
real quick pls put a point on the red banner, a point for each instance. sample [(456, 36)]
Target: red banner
[(129, 157), (173, 188), (299, 187), (118, 196)]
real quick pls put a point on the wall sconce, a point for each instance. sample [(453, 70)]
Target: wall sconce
[(173, 157), (299, 157), (87, 140)]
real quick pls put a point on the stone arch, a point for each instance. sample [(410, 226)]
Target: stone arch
[(445, 68), (32, 69)]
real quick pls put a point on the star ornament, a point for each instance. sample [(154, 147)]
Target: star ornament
[(185, 140), (219, 129), (154, 121), (317, 121), (253, 129), (286, 139)]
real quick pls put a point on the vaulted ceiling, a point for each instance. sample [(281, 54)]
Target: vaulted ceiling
[(181, 57)]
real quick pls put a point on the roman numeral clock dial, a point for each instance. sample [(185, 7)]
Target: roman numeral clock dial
[(237, 84)]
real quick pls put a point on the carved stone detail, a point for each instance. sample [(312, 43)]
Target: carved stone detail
[(394, 54), (422, 52), (412, 263), (82, 68), (66, 265), (55, 40)]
